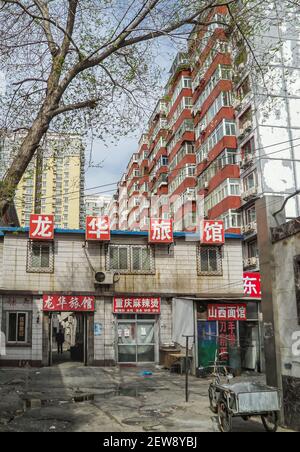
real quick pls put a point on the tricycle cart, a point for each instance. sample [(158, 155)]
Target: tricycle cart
[(245, 400)]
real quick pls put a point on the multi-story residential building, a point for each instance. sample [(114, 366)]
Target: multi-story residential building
[(97, 205), (113, 212), (180, 145), (144, 205), (218, 173), (54, 180), (123, 203)]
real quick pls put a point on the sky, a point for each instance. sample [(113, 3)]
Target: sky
[(115, 158)]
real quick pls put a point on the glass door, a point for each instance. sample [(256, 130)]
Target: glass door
[(136, 340)]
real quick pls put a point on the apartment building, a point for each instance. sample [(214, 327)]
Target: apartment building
[(97, 205), (54, 180)]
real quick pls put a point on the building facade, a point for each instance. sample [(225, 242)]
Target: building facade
[(167, 279), (53, 182), (97, 205)]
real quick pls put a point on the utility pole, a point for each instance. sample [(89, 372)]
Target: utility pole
[(265, 208)]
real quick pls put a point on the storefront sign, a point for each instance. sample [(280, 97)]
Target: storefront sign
[(97, 228), (161, 231), (41, 227), (62, 303), (227, 338), (252, 285), (136, 305), (227, 312), (212, 232)]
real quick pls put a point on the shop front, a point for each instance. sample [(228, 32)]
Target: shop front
[(231, 329), (137, 329)]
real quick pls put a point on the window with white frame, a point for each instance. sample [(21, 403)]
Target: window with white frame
[(230, 187), (40, 257), (210, 261), (17, 327), (250, 181), (224, 128), (131, 259)]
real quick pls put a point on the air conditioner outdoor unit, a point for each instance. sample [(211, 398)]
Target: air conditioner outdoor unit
[(253, 261), (102, 278)]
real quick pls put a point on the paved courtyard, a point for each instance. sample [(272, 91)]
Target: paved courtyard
[(83, 399)]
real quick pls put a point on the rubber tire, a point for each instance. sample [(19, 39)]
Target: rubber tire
[(222, 407), (212, 405), (266, 425)]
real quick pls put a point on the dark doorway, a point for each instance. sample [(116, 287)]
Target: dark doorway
[(67, 342)]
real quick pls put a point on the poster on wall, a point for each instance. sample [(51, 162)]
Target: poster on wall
[(123, 305)]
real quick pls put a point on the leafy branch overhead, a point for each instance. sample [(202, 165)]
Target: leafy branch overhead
[(82, 64)]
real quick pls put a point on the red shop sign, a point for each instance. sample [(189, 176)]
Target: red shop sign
[(68, 303), (123, 305), (252, 285), (227, 312), (41, 227), (212, 232), (161, 231), (97, 228)]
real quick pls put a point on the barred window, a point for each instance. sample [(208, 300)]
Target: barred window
[(40, 257), (210, 261), (130, 259), (17, 323)]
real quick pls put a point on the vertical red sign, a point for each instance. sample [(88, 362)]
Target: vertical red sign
[(161, 231), (97, 228), (212, 232), (252, 285), (41, 227)]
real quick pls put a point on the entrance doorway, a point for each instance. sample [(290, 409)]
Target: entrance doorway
[(136, 338), (67, 337)]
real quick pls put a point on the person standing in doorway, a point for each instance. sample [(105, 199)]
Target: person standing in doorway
[(60, 339)]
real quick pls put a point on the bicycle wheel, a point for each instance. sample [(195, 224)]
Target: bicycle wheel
[(224, 417), (270, 422)]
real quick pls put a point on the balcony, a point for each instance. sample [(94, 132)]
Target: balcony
[(247, 161), (181, 62), (250, 228), (249, 194), (245, 130), (251, 262)]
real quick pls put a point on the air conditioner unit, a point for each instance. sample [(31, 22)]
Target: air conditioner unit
[(253, 261), (102, 278), (253, 225), (243, 229)]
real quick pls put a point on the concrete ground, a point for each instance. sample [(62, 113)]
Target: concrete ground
[(73, 398)]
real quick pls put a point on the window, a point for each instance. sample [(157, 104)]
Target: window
[(130, 259), (17, 323), (250, 181), (40, 257), (210, 261), (252, 249)]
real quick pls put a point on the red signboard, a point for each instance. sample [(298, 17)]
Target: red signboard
[(227, 338), (252, 285), (41, 227), (161, 231), (137, 305), (212, 232), (67, 303), (227, 312), (97, 228)]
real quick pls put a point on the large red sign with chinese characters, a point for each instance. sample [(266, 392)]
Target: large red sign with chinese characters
[(68, 303), (41, 227), (227, 313), (161, 231), (252, 285), (123, 305), (97, 228), (212, 232)]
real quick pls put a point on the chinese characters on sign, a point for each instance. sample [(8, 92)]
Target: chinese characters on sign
[(161, 231), (136, 305), (252, 285), (97, 228), (227, 338), (41, 227), (212, 232), (62, 303), (227, 313)]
